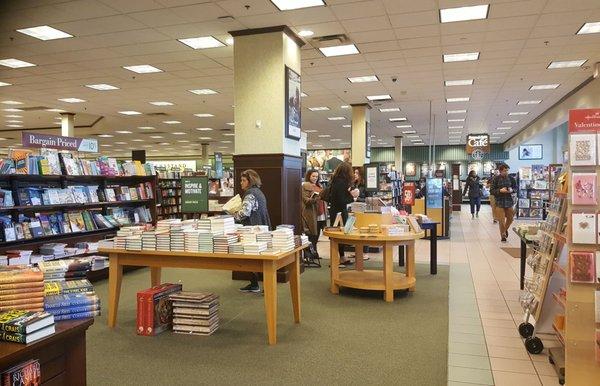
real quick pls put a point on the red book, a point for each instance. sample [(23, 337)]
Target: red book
[(159, 315), (141, 308)]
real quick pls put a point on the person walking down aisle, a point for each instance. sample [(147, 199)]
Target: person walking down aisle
[(313, 208), (253, 212), (503, 187), (473, 185), (340, 195)]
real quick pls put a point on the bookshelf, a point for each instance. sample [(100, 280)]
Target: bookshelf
[(169, 198)]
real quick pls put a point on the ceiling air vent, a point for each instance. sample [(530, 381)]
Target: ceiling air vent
[(34, 108), (157, 114), (330, 40)]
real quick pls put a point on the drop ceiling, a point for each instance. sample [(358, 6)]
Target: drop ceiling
[(397, 39)]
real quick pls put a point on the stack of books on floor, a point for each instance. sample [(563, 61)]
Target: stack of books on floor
[(67, 287), (71, 306), (154, 309), (18, 256), (65, 269), (25, 373), (22, 326), (283, 239), (149, 240), (21, 288), (255, 248), (133, 243), (163, 241), (195, 313), (205, 240), (223, 242)]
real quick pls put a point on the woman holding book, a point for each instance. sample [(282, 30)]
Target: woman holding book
[(341, 194), (253, 212), (313, 208)]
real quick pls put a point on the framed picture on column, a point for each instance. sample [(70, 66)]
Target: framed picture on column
[(292, 104), (368, 140)]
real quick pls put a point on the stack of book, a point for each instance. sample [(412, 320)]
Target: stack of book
[(71, 306), (154, 313), (205, 224), (265, 237), (236, 248), (300, 240), (177, 237), (195, 313), (121, 237), (247, 237), (18, 257), (99, 262), (21, 326), (255, 248), (25, 373), (149, 240), (65, 269), (222, 224), (21, 288), (205, 241), (283, 239), (67, 287), (163, 241), (223, 242), (57, 250), (191, 240), (133, 243)]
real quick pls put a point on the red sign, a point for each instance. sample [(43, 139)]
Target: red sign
[(408, 193), (584, 120)]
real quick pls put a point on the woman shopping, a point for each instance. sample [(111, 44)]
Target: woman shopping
[(473, 186), (503, 187), (313, 208), (253, 212), (341, 194)]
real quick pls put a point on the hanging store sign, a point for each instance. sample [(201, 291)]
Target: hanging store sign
[(584, 120), (478, 145), (194, 194), (58, 142), (408, 193)]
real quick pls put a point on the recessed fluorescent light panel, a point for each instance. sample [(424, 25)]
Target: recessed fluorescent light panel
[(383, 97), (456, 127), (399, 119), (203, 128), (101, 87), (2, 84), (202, 42), (229, 134), (320, 108), (567, 63), (12, 110), (346, 126), (204, 115), (123, 131), (475, 12), (230, 123), (461, 82), (461, 99), (303, 94), (347, 49), (345, 106), (544, 86), (105, 135), (510, 121), (143, 69), (389, 110), (456, 120), (589, 28), (15, 63), (364, 79), (456, 111), (130, 112), (403, 126), (336, 118), (467, 56), (536, 102), (45, 32), (503, 128), (409, 132), (310, 131), (286, 5), (161, 103), (519, 113), (146, 128), (203, 91), (305, 33), (171, 122), (12, 103), (324, 135), (72, 100)]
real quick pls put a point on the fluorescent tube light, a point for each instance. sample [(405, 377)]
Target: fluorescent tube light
[(71, 100), (286, 5), (324, 135), (305, 33), (510, 121), (535, 102), (204, 115), (383, 97), (467, 56), (345, 106), (320, 108), (203, 128), (2, 84), (123, 131), (503, 128), (475, 12), (460, 99), (171, 122), (143, 69), (203, 91), (462, 82), (15, 63), (456, 120), (12, 103), (161, 103), (456, 127), (398, 119), (544, 86), (389, 110), (347, 49), (519, 113), (130, 112), (409, 132), (202, 42), (403, 126), (346, 126), (567, 63), (336, 118), (589, 28), (45, 32), (456, 111), (364, 79), (102, 87)]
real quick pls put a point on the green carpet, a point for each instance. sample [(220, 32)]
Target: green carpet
[(355, 338)]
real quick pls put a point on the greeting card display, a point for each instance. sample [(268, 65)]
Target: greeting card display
[(597, 305), (525, 173), (583, 189), (583, 226), (598, 267), (582, 149), (582, 267)]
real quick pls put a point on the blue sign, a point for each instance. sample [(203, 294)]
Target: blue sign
[(435, 193)]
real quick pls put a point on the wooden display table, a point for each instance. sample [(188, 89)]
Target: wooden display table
[(386, 280), (61, 355), (266, 264)]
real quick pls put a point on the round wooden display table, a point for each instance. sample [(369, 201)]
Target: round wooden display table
[(382, 280)]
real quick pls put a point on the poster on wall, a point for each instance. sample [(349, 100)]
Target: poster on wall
[(424, 170), (368, 140), (194, 194), (292, 104), (372, 177), (528, 152), (327, 160), (434, 197), (410, 169)]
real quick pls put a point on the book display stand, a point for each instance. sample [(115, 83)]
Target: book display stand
[(169, 198)]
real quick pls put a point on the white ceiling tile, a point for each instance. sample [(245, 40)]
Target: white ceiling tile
[(132, 5), (407, 6), (359, 10), (414, 19), (366, 24)]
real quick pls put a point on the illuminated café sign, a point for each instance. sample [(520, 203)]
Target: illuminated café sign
[(478, 145)]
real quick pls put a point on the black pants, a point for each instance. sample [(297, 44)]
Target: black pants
[(332, 215), (315, 238), (475, 202)]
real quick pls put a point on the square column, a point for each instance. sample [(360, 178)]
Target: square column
[(361, 133)]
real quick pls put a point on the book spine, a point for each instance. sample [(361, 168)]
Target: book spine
[(10, 327), (12, 337), (80, 315), (140, 314), (24, 307), (18, 302), (9, 279), (75, 309), (17, 290), (11, 286), (21, 295), (149, 317)]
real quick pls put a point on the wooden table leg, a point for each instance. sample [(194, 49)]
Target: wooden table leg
[(388, 270), (359, 258), (270, 287), (410, 262), (295, 286), (115, 275), (334, 265), (155, 276)]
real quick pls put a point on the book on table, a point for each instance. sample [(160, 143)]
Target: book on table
[(25, 326)]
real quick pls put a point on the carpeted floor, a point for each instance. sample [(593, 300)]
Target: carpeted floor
[(355, 338)]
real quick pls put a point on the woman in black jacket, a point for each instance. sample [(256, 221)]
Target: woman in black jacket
[(503, 187), (473, 185), (340, 195)]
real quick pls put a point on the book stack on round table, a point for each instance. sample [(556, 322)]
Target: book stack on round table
[(283, 239), (162, 225), (255, 248), (177, 238), (222, 242), (236, 248), (20, 326), (149, 241), (191, 239), (133, 243), (73, 305), (65, 269), (21, 288), (195, 313), (285, 226), (265, 237), (163, 241), (205, 240)]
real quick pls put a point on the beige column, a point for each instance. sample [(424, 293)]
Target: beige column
[(361, 121), (67, 127), (205, 159), (260, 60), (398, 155)]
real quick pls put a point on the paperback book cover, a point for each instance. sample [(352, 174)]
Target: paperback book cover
[(53, 161), (78, 315), (70, 300), (24, 322), (20, 158)]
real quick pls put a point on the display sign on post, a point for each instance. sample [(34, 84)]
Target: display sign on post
[(87, 145), (408, 193), (292, 104), (435, 193), (371, 177), (194, 194), (584, 120), (478, 145), (218, 165)]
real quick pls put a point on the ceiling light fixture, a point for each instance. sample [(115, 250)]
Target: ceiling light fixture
[(503, 128), (510, 121), (105, 135), (403, 126), (161, 103), (536, 102), (230, 123), (143, 69), (346, 126), (156, 136), (202, 42), (475, 12), (346, 49), (467, 56), (389, 110), (72, 100), (324, 135), (229, 134), (204, 138), (56, 110), (409, 132), (130, 112), (304, 33), (589, 28), (336, 118), (204, 115), (286, 5), (102, 87), (203, 129), (203, 91), (178, 133), (303, 94), (544, 86), (146, 128), (123, 131), (461, 82), (567, 63), (320, 108), (15, 63), (229, 41), (456, 127), (14, 125), (460, 99), (383, 97), (137, 140), (519, 113), (456, 111), (363, 79), (12, 110), (171, 122), (45, 32), (456, 120), (2, 84), (12, 103), (398, 119), (13, 116), (310, 131), (345, 106)]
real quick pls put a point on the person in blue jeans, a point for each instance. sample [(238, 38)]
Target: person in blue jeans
[(474, 187)]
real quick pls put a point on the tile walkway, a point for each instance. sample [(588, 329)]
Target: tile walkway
[(484, 346)]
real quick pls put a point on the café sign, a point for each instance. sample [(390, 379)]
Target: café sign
[(478, 145)]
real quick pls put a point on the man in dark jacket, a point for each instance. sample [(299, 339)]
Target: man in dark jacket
[(473, 185), (503, 187)]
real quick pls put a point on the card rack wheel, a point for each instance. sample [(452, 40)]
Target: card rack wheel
[(526, 330), (534, 345), (550, 360)]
